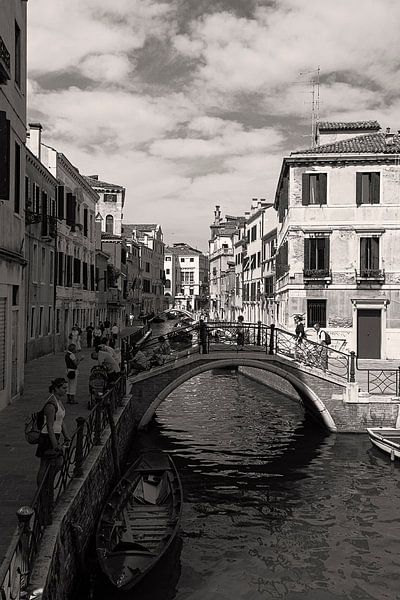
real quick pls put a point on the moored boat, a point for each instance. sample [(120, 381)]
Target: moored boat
[(386, 439), (140, 520)]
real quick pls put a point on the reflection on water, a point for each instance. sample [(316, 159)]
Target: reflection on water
[(273, 507)]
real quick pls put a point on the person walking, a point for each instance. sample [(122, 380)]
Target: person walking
[(89, 335), (107, 330), (97, 335), (161, 352), (323, 347), (240, 333), (72, 362), (203, 336), (300, 336), (108, 362), (114, 334), (49, 447)]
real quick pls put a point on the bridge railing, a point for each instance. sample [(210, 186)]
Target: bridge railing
[(32, 520), (225, 335)]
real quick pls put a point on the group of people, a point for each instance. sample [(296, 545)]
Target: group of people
[(142, 361), (94, 335)]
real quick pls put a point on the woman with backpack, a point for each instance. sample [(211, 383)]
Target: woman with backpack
[(72, 362), (324, 339), (49, 447)]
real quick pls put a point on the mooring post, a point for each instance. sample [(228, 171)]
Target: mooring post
[(97, 422), (258, 333), (114, 441)]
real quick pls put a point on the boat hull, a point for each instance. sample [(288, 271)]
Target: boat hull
[(140, 520), (386, 439)]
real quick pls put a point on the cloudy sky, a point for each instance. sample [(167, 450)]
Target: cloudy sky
[(192, 103)]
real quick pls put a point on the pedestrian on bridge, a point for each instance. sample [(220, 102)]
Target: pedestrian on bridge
[(203, 336), (300, 336), (240, 333), (323, 347)]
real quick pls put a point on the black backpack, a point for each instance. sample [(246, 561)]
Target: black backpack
[(328, 339), (35, 423)]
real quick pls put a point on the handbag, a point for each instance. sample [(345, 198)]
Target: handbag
[(71, 375)]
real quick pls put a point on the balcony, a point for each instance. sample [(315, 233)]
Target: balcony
[(5, 63), (316, 275), (370, 275)]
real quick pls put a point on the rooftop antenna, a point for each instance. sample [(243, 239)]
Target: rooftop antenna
[(314, 83)]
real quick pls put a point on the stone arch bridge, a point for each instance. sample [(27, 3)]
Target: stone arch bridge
[(330, 396)]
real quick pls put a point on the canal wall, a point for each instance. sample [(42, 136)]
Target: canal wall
[(351, 414), (59, 563)]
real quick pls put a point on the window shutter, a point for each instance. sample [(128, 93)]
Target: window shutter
[(375, 188), (60, 202), (359, 188), (326, 253), (4, 157), (71, 206), (305, 189), (307, 254), (375, 252), (322, 181), (363, 253)]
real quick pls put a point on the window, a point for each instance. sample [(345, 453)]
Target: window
[(367, 188), (77, 270), (40, 332), (168, 258), (36, 199), (60, 202), (146, 286), (253, 261), (85, 222), (57, 320), (68, 282), (282, 258), (60, 273), (71, 210), (191, 259), (15, 295), (109, 224), (17, 55), (27, 199), (182, 260), (147, 267), (167, 284), (43, 266), (85, 275), (314, 188), (44, 214), (17, 179), (33, 317), (316, 312), (4, 157), (167, 271), (110, 197), (191, 277), (269, 287), (254, 233), (51, 268), (49, 323), (253, 291), (316, 257), (258, 259), (35, 264), (369, 256)]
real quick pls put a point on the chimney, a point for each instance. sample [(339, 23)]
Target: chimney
[(217, 215), (389, 137), (34, 141)]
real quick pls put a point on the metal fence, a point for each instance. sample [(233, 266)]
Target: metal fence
[(32, 520)]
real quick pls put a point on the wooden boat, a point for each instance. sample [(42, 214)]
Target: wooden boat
[(140, 520), (386, 439), (158, 319)]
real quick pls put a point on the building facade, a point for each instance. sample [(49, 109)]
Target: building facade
[(12, 172), (40, 248), (221, 258), (192, 266), (172, 277), (338, 234)]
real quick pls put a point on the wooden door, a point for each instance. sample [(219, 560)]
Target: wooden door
[(369, 333)]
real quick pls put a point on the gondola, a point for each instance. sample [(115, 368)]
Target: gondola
[(140, 520), (386, 439)]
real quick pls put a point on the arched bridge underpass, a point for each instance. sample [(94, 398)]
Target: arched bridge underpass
[(316, 393), (322, 377)]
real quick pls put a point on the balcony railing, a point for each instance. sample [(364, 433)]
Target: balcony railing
[(370, 275), (5, 63), (317, 274)]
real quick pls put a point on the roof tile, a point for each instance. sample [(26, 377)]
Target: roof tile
[(374, 143)]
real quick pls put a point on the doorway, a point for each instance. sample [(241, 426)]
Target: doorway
[(369, 333)]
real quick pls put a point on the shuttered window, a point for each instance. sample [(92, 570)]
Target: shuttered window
[(2, 343), (77, 270), (314, 188), (4, 157), (71, 209), (60, 202), (68, 283), (367, 188), (17, 178), (316, 254), (369, 254)]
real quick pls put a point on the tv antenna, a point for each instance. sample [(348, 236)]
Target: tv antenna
[(314, 77)]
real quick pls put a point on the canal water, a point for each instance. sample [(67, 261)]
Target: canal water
[(273, 507)]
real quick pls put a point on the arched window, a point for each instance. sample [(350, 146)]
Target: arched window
[(109, 224)]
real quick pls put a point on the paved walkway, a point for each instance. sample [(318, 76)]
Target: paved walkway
[(18, 464)]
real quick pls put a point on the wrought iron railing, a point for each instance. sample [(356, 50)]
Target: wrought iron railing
[(317, 274), (384, 382), (32, 520), (370, 274)]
